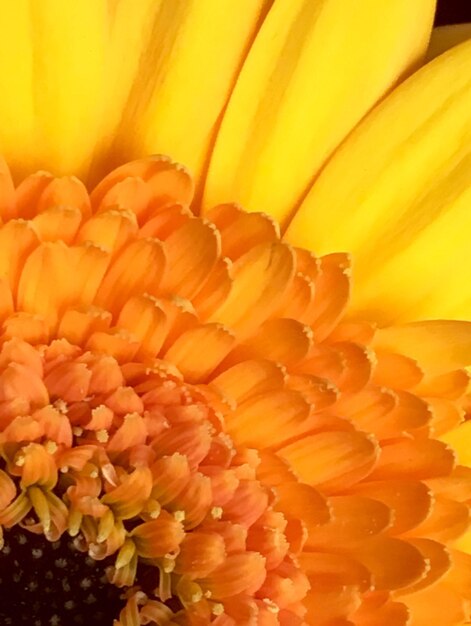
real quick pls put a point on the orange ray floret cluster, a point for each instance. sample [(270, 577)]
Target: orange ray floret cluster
[(182, 394)]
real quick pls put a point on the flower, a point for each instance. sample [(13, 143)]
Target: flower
[(201, 421)]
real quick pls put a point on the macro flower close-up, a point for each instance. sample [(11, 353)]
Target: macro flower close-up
[(235, 313)]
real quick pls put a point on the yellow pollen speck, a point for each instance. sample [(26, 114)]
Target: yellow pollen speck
[(20, 461), (153, 508), (196, 597), (218, 609), (64, 469), (179, 516), (51, 447), (77, 431), (102, 435), (271, 606), (168, 565), (61, 406), (216, 512), (108, 473)]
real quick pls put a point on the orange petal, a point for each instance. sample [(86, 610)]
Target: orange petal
[(214, 340), (31, 327), (17, 241), (332, 460), (260, 279), (284, 341), (318, 392), (170, 475), (58, 223), (396, 370), (332, 292), (298, 299), (191, 440), (110, 230), (131, 194), (194, 502), (159, 537), (67, 191), (354, 518), (413, 459), (451, 385), (200, 554), (29, 192), (117, 343), (302, 501), (214, 290), (77, 326), (131, 433), (164, 220), (387, 614), (326, 604), (269, 420), (68, 381), (191, 252), (144, 318), (410, 501), (458, 576), (50, 264), (129, 274), (448, 521), (167, 180), (127, 500), (7, 490), (392, 562), (37, 467), (241, 231), (335, 569), (455, 486), (437, 604), (438, 558), (250, 378), (248, 503), (238, 574), (20, 381)]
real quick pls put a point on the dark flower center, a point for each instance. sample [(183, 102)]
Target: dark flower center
[(53, 584)]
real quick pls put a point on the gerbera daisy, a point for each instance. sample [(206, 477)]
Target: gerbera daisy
[(220, 415)]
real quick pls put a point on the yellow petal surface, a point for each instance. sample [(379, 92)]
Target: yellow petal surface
[(445, 37), (397, 196), (172, 65), (16, 104), (51, 92), (439, 346), (314, 70)]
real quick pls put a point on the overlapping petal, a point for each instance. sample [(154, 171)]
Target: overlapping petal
[(290, 109), (402, 207)]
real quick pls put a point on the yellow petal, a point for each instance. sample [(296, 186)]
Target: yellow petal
[(314, 70), (16, 84), (397, 194), (438, 346), (53, 90), (172, 66), (445, 37)]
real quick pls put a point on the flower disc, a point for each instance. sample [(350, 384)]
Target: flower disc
[(184, 408)]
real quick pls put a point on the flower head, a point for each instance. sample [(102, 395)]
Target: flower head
[(206, 417), (181, 396)]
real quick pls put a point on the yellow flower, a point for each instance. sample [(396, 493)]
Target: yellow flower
[(200, 421)]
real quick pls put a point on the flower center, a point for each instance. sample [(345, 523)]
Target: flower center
[(53, 583), (124, 474)]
